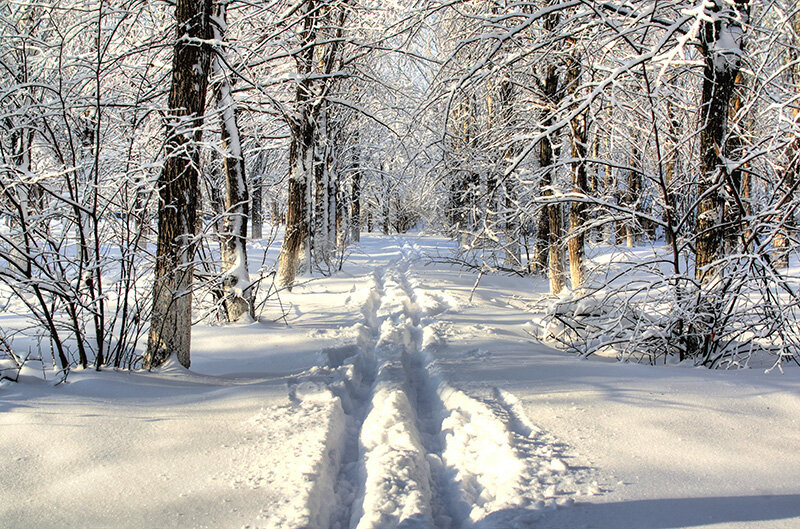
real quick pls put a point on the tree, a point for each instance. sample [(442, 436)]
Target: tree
[(170, 326), (317, 61), (579, 137), (238, 300), (722, 45)]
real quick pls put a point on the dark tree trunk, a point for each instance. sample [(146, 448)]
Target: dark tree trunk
[(257, 199), (720, 71), (300, 164), (170, 326), (577, 213), (355, 197), (738, 183), (385, 200), (301, 156)]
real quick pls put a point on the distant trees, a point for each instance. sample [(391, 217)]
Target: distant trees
[(635, 119)]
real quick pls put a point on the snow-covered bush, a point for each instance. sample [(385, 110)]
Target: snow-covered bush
[(746, 316)]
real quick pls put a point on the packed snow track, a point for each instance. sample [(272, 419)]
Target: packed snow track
[(415, 452)]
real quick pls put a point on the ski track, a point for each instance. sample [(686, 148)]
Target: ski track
[(411, 451)]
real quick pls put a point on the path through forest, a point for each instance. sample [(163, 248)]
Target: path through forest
[(400, 395), (417, 452)]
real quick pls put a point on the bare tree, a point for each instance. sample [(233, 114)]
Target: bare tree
[(722, 44), (170, 326), (238, 298)]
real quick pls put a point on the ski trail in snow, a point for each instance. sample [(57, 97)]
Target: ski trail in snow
[(350, 479), (415, 452), (397, 474)]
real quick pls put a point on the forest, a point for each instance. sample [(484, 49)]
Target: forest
[(319, 221), (525, 130)]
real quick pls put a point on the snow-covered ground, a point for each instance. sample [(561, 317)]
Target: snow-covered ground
[(397, 397)]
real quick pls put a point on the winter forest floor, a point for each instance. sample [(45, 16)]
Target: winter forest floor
[(394, 398)]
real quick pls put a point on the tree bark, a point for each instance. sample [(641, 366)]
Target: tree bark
[(548, 155), (301, 156), (170, 326), (577, 214), (738, 182), (320, 239), (355, 195), (671, 168), (257, 199), (781, 241), (720, 70), (385, 202), (634, 195), (238, 299)]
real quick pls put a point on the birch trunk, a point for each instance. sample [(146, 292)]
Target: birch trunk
[(671, 168), (238, 299)]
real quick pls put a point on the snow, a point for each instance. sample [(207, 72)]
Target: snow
[(395, 397)]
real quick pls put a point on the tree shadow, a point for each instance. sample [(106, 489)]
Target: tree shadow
[(672, 513)]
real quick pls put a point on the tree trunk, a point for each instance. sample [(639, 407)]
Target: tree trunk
[(257, 199), (577, 214), (556, 252), (342, 218), (723, 30), (385, 204), (333, 206), (355, 197), (233, 243), (170, 326), (671, 167), (611, 229), (540, 254), (275, 213), (781, 242), (507, 192), (551, 220), (301, 157), (738, 183), (320, 225), (548, 155), (634, 196), (513, 257)]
